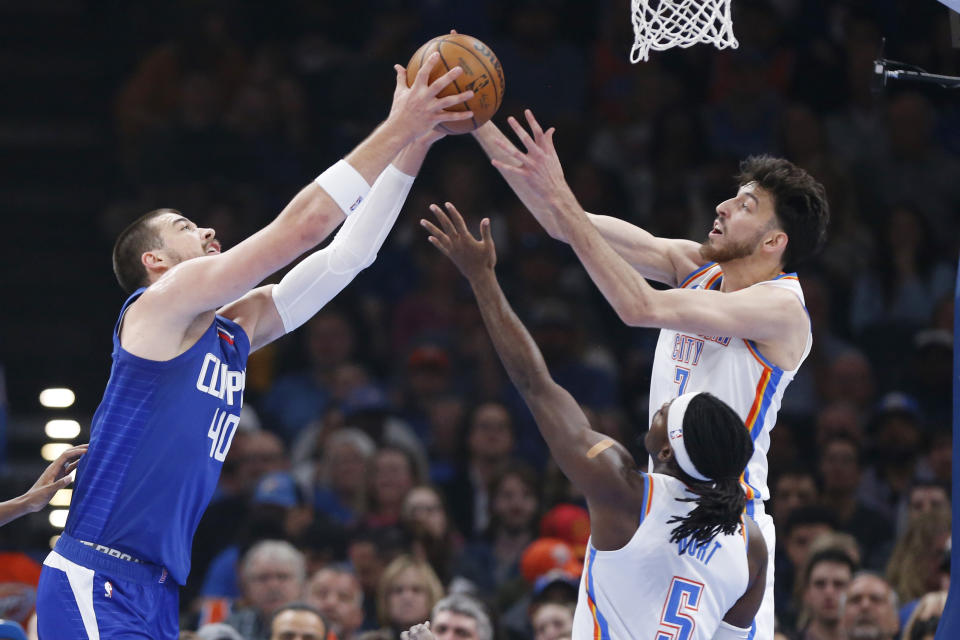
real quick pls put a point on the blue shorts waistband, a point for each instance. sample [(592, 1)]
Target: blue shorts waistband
[(88, 556)]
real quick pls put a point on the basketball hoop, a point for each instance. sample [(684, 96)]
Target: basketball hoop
[(663, 24)]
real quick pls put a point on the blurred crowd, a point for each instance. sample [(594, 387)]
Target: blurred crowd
[(384, 461)]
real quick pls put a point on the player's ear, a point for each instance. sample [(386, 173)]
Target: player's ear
[(665, 453), (776, 240), (153, 260)]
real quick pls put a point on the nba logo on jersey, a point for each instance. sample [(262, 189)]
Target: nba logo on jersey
[(676, 434), (108, 589)]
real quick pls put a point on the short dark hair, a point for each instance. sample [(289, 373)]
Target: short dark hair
[(719, 446), (843, 438), (799, 202), (812, 514), (834, 555), (138, 237), (299, 606)]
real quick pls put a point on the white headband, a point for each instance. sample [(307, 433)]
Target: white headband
[(675, 413)]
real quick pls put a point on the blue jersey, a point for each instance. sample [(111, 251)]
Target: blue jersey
[(157, 444)]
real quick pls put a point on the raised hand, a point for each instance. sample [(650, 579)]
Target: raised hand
[(540, 166), (455, 241), (418, 632), (417, 109), (55, 477)]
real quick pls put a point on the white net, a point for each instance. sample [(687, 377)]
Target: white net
[(662, 24)]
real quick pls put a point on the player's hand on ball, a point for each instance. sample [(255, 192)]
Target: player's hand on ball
[(540, 165), (418, 632), (455, 241), (417, 109)]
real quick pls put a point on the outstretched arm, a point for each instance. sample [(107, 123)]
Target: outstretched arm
[(55, 477), (663, 259), (756, 313), (270, 311), (596, 464), (196, 286)]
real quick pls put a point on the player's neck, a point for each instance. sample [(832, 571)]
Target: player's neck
[(746, 272)]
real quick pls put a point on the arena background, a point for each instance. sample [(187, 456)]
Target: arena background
[(223, 110)]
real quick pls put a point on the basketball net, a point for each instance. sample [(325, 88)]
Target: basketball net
[(663, 24)]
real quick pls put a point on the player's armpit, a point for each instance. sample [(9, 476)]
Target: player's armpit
[(258, 316)]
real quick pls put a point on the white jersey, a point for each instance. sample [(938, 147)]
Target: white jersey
[(653, 588), (733, 369)]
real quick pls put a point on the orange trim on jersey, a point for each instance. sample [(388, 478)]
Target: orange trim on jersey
[(756, 354), (713, 279), (597, 635), (758, 397), (646, 508), (696, 273), (755, 411), (747, 489)]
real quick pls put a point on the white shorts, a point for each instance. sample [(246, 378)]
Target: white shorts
[(764, 623)]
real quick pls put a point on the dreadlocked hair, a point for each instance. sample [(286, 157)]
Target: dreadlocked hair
[(719, 446)]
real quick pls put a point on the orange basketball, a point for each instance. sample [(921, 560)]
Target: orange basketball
[(481, 74)]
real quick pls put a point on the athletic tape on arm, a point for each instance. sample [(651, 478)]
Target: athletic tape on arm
[(345, 185), (318, 278)]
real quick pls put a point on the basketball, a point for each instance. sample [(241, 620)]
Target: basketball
[(482, 74)]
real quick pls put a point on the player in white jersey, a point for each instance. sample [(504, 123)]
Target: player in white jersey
[(735, 323), (670, 555)]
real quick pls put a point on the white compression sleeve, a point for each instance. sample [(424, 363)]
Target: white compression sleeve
[(319, 277), (729, 632)]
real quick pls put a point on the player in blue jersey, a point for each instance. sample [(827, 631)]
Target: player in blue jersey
[(180, 347)]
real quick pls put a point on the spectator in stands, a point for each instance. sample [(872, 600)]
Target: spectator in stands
[(393, 474), (340, 479), (493, 559), (825, 579), (793, 544), (272, 574), (849, 378), (336, 593), (897, 441), (456, 617), (840, 472), (489, 442), (870, 608), (297, 621), (370, 551), (915, 566), (925, 497), (408, 590), (552, 620), (433, 538), (840, 418), (299, 397), (793, 488)]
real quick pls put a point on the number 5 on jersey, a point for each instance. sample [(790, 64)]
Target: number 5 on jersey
[(221, 431), (677, 620)]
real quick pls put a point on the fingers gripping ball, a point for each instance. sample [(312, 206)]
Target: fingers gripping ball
[(482, 74)]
